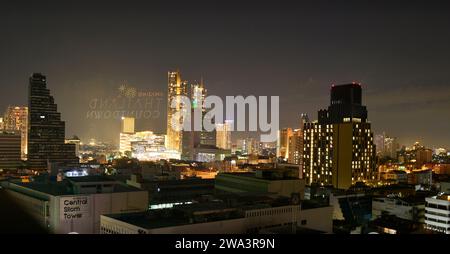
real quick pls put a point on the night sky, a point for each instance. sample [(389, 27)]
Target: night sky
[(399, 52)]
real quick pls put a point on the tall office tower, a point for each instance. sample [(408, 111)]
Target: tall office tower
[(304, 119), (46, 141), (199, 93), (295, 148), (346, 105), (127, 125), (75, 141), (176, 87), (386, 146), (379, 143), (223, 134), (16, 119), (283, 142), (126, 134), (10, 153), (423, 156), (2, 124), (391, 147), (196, 139), (339, 148)]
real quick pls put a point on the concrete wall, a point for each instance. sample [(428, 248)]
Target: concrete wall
[(255, 220), (104, 203)]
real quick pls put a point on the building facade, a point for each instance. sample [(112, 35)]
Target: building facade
[(10, 150), (339, 148), (223, 137), (77, 142), (437, 213), (262, 181), (192, 139), (127, 125), (76, 204), (283, 143), (46, 136), (176, 87), (295, 146), (403, 208), (253, 221), (16, 119)]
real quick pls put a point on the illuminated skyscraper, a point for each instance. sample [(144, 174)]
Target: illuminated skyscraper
[(295, 146), (191, 138), (9, 149), (126, 134), (16, 119), (223, 134), (176, 87), (46, 136), (283, 142), (198, 96), (295, 150), (339, 148), (127, 125), (386, 146)]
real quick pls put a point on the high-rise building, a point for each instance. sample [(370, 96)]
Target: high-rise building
[(423, 156), (46, 136), (9, 149), (295, 150), (223, 134), (193, 139), (386, 146), (127, 125), (16, 119), (345, 105), (339, 148), (75, 141), (295, 146), (176, 88), (283, 142), (198, 94), (379, 142), (126, 134), (391, 147)]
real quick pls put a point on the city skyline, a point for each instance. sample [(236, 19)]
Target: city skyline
[(244, 120), (245, 134), (295, 52)]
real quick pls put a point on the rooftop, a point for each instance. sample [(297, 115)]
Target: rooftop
[(91, 179), (442, 196), (268, 175), (212, 208), (65, 187)]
